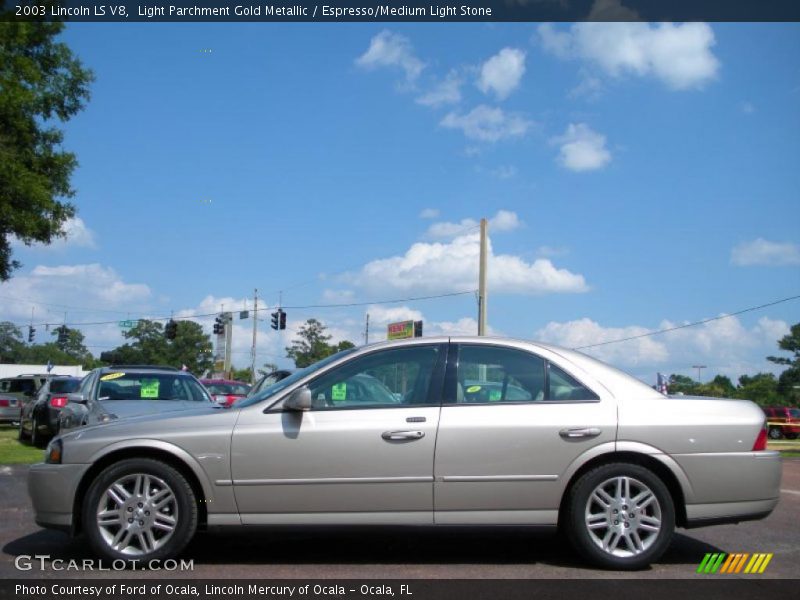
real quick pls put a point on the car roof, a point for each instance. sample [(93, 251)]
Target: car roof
[(228, 381), (143, 369)]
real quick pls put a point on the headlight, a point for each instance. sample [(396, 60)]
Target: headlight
[(52, 455)]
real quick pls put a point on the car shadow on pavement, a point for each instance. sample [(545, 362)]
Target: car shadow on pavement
[(357, 546)]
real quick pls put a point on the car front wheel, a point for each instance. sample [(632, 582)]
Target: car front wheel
[(139, 509), (620, 516)]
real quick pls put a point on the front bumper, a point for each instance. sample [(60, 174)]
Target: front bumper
[(52, 489)]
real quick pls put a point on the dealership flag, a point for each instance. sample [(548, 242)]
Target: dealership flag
[(661, 384)]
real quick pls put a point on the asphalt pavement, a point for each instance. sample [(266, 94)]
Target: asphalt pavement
[(410, 553)]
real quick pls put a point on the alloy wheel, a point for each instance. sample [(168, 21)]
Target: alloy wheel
[(623, 516), (137, 514)]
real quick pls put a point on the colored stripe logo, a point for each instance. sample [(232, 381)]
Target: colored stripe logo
[(720, 562)]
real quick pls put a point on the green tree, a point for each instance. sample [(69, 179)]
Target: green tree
[(789, 380), (72, 345), (313, 345), (149, 346), (680, 384), (41, 81), (11, 344), (241, 374), (761, 388)]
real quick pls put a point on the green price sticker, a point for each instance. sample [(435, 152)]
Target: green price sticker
[(495, 395), (149, 388), (473, 388), (339, 392)]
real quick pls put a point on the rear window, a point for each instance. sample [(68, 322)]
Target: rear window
[(228, 388), (150, 386), (795, 412), (64, 386), (15, 386)]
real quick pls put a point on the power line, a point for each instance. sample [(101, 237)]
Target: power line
[(660, 331), (267, 308)]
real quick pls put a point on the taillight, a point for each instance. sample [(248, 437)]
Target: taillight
[(230, 399), (58, 401), (4, 402), (761, 440)]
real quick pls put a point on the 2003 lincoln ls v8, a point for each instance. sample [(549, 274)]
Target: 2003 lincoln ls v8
[(430, 431)]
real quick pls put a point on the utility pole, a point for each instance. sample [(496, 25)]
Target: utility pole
[(698, 367), (482, 292), (255, 330), (366, 332), (228, 342)]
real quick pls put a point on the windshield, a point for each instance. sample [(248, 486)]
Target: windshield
[(151, 386), (291, 379)]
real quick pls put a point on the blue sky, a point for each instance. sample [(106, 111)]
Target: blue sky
[(637, 177)]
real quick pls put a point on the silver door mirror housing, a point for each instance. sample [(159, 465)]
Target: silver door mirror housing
[(77, 398), (299, 400)]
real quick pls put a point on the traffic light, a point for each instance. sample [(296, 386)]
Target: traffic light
[(417, 328), (276, 319), (31, 334), (219, 325), (282, 322), (171, 330)]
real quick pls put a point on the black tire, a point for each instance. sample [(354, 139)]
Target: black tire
[(185, 507), (37, 440), (775, 433), (791, 436), (587, 542), (21, 435)]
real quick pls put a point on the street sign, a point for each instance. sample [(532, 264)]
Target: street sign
[(127, 324), (400, 330)]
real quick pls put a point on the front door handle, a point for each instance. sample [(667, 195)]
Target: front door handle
[(574, 433), (402, 435)]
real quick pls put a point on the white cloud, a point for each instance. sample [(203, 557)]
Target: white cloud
[(487, 124), (76, 235), (338, 296), (103, 283), (504, 171), (582, 149), (503, 220), (724, 345), (502, 73), (447, 91), (429, 213), (747, 108), (453, 267), (551, 251), (761, 252), (389, 49), (680, 55)]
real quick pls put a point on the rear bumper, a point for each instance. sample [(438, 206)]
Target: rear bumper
[(731, 487), (52, 490)]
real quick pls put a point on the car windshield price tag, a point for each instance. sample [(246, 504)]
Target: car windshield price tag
[(149, 388), (339, 392)]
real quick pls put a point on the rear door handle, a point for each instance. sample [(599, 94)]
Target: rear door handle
[(572, 433), (402, 435)]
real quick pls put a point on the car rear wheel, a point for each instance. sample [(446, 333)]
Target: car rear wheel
[(36, 436), (139, 509), (620, 516), (775, 433), (22, 436)]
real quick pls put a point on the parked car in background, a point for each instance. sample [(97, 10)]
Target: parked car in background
[(268, 379), (783, 422), (39, 417), (224, 391), (15, 392), (381, 435), (111, 393)]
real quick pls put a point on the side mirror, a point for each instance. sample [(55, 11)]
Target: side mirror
[(299, 400), (77, 398)]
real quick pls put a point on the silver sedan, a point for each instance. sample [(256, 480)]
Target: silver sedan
[(431, 431)]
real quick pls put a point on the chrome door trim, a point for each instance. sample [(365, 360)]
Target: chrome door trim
[(333, 480), (491, 478)]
